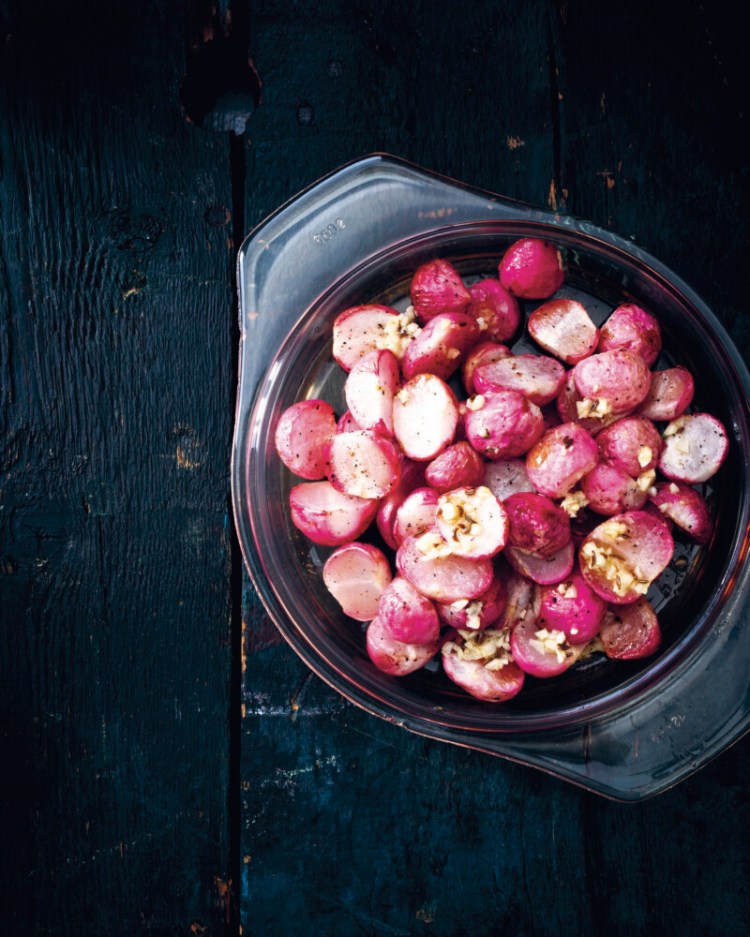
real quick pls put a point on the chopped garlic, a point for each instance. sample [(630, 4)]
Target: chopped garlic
[(573, 502), (491, 646), (475, 403), (597, 409), (550, 641), (645, 455), (673, 489), (646, 480), (567, 590), (433, 547), (452, 352)]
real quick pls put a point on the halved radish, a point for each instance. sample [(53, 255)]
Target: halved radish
[(592, 415), (541, 651), (416, 514), (369, 390), (412, 476), (478, 614), (483, 353), (633, 328), (561, 458), (425, 417), (502, 425), (630, 632), (346, 423), (505, 477), (327, 516), (356, 574), (472, 521), (623, 555), (361, 329), (531, 269), (632, 444), (537, 377), (609, 490), (481, 663), (523, 596), (564, 328), (495, 309), (363, 464), (542, 570), (572, 606), (302, 435), (459, 465), (686, 508), (441, 345), (695, 446), (670, 394), (396, 658), (437, 287), (612, 381), (427, 562), (536, 524), (406, 614)]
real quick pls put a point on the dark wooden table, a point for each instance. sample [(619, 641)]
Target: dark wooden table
[(168, 766)]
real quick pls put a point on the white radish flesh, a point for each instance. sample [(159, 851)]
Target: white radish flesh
[(670, 394), (362, 329), (406, 614), (695, 446), (482, 665), (363, 464), (428, 564), (369, 390), (537, 377), (416, 514), (302, 436), (356, 575), (561, 458), (425, 417), (327, 516), (564, 328), (441, 346), (483, 353)]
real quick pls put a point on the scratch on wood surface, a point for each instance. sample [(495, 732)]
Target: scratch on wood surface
[(608, 176), (513, 143), (552, 196)]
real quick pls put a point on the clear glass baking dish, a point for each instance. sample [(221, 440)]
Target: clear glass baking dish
[(624, 730)]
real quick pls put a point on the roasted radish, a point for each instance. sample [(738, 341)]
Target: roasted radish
[(482, 664), (495, 309), (695, 445), (670, 394), (536, 524), (531, 269), (561, 458), (407, 615), (363, 464), (537, 377), (564, 328), (396, 658), (356, 575), (430, 566), (611, 382), (630, 632), (369, 390), (437, 287), (425, 417), (328, 516), (459, 465), (302, 435), (572, 606), (686, 508), (634, 329), (472, 521), (502, 425)]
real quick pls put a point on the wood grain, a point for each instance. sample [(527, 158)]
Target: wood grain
[(117, 313), (624, 116)]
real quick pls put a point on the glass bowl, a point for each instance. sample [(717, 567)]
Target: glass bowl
[(623, 729)]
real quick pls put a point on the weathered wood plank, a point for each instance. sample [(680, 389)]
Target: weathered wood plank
[(116, 273), (619, 115)]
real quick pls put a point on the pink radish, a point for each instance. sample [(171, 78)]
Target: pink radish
[(396, 658), (623, 555), (483, 353), (561, 458), (686, 508), (630, 632), (459, 465), (302, 435), (495, 309), (427, 562), (407, 615), (346, 423), (478, 614), (425, 417), (369, 390), (531, 269), (609, 490), (481, 663), (502, 425), (537, 524), (564, 328), (537, 377), (472, 521), (412, 476), (441, 346), (542, 570), (361, 329), (670, 394), (592, 415), (356, 574), (541, 651), (506, 477), (327, 516), (572, 606), (612, 381), (634, 329), (437, 287), (632, 444), (416, 514), (695, 446), (363, 464)]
